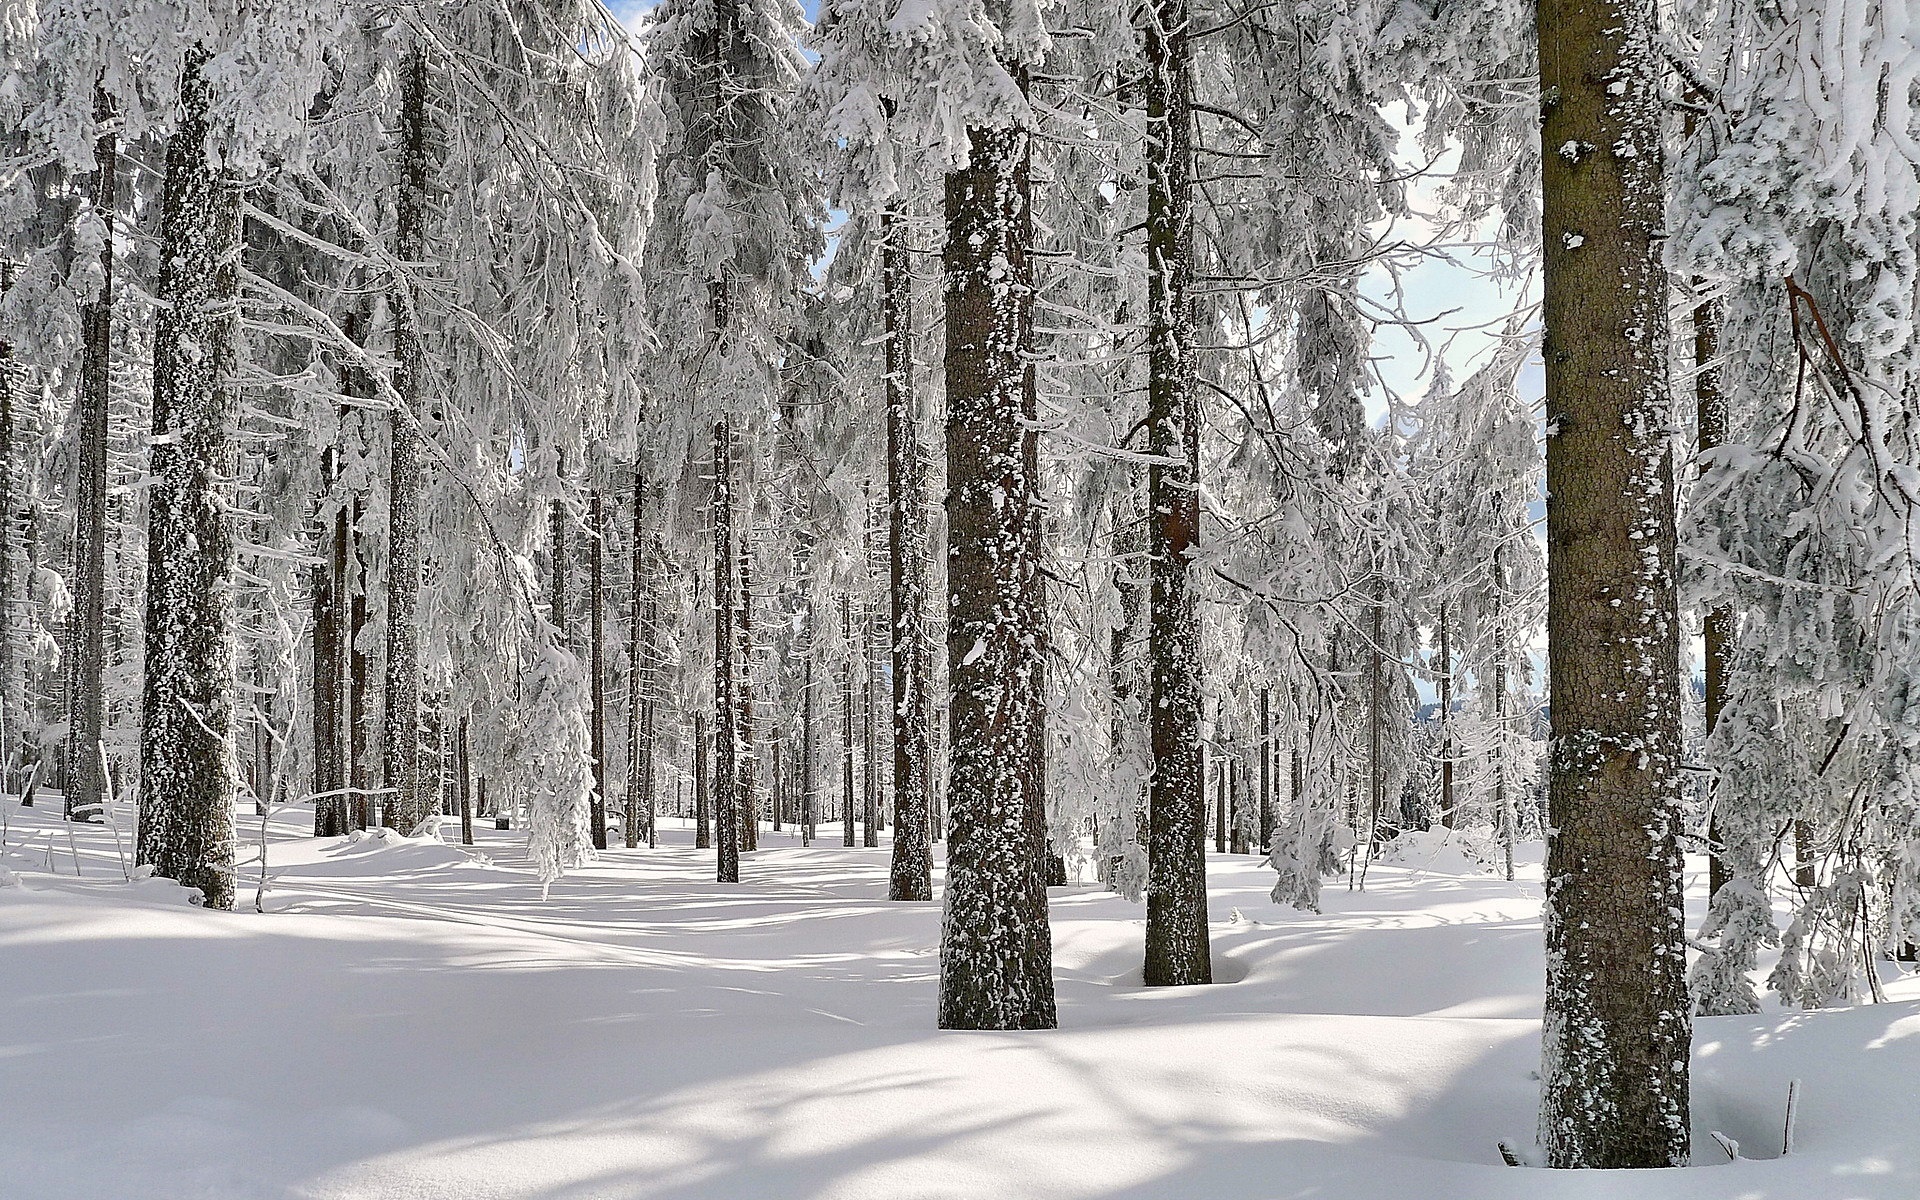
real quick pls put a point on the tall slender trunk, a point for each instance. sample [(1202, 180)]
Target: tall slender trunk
[(1177, 950), (1446, 716), (186, 738), (846, 724), (359, 671), (1376, 719), (463, 780), (86, 696), (809, 804), (869, 761), (911, 877), (702, 806), (406, 806), (330, 812), (10, 375), (996, 950), (639, 672), (726, 690), (1718, 626), (1266, 768), (749, 742), (1617, 1033), (596, 661)]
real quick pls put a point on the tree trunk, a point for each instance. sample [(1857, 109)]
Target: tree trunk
[(596, 661), (1717, 627), (996, 951), (1177, 949), (86, 696), (1617, 1031), (359, 711), (186, 738), (1266, 769), (808, 803), (639, 675), (726, 734), (331, 813), (400, 730), (10, 375), (702, 817), (869, 761), (463, 756), (911, 877), (1446, 718), (749, 743), (846, 724)]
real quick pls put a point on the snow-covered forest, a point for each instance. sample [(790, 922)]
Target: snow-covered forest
[(960, 598)]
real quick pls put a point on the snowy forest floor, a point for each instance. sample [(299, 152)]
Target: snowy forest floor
[(411, 1019)]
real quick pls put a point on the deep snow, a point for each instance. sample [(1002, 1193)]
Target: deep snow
[(411, 1020)]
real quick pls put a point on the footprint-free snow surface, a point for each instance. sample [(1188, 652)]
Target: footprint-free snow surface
[(412, 1019)]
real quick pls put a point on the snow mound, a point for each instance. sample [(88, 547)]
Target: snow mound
[(1436, 851)]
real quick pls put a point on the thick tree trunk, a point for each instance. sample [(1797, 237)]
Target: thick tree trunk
[(809, 804), (1617, 1031), (1177, 949), (911, 877), (726, 593), (996, 951), (406, 806), (596, 661), (186, 739), (86, 642)]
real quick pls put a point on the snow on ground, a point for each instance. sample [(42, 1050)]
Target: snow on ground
[(410, 1020)]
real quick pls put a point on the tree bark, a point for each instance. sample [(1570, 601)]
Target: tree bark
[(1446, 718), (186, 826), (406, 807), (463, 781), (702, 816), (996, 951), (1718, 626), (639, 675), (1266, 769), (330, 812), (85, 794), (596, 661), (726, 734), (1177, 950), (846, 725), (911, 877), (1617, 1030)]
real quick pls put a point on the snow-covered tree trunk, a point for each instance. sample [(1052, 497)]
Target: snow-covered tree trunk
[(1717, 625), (640, 674), (1177, 950), (596, 663), (702, 801), (1444, 680), (749, 752), (10, 380), (1266, 769), (726, 641), (847, 715), (907, 530), (186, 828), (86, 695), (405, 805), (996, 950), (1616, 1032), (331, 813)]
